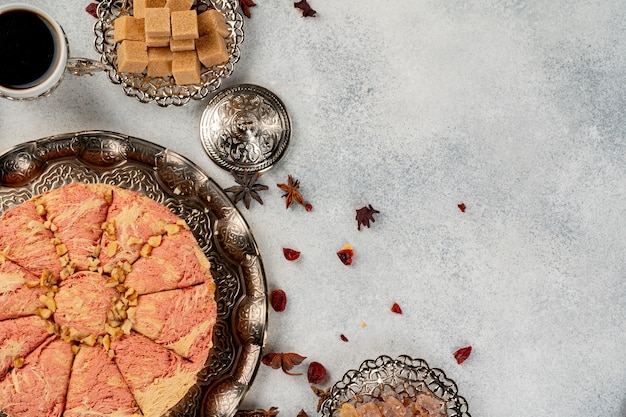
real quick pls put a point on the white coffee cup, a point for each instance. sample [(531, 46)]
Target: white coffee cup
[(58, 66)]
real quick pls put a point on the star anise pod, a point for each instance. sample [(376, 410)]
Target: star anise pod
[(245, 7), (286, 361), (307, 10), (322, 395), (272, 412), (247, 188), (364, 215), (291, 192)]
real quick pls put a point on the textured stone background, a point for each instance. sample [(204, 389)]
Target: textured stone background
[(514, 107)]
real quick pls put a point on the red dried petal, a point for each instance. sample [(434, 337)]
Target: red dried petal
[(316, 373), (278, 299), (462, 354), (461, 207), (92, 9), (290, 254), (395, 308), (343, 337), (346, 254), (308, 207)]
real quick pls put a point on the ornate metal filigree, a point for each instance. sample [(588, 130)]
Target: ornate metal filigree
[(245, 128), (163, 90), (91, 157), (404, 376)]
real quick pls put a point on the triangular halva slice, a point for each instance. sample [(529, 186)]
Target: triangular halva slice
[(131, 221), (181, 320), (25, 239), (18, 338), (26, 393), (19, 291), (177, 262), (158, 377), (77, 212), (97, 387)]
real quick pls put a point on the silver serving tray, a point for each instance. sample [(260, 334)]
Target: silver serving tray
[(404, 376), (35, 167)]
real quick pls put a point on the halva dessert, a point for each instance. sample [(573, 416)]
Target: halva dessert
[(106, 305)]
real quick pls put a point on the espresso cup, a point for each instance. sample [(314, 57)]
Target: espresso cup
[(34, 53)]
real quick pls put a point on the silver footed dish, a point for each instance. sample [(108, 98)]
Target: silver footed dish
[(403, 378), (33, 168), (163, 90)]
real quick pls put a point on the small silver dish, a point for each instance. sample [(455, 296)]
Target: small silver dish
[(163, 90), (245, 128), (404, 378)]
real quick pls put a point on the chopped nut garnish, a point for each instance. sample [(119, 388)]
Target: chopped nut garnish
[(126, 266), (126, 326), (47, 279), (108, 196), (65, 260), (41, 210), (182, 223), (32, 284), (134, 240), (145, 251), (61, 249), (106, 341), (155, 241), (44, 313), (111, 283), (112, 248), (89, 340), (48, 302), (172, 229), (75, 349), (18, 362)]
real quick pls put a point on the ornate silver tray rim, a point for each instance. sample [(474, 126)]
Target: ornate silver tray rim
[(163, 90), (404, 375), (34, 167)]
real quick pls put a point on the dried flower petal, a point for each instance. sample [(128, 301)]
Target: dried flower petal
[(308, 207), (316, 374), (305, 7), (461, 207), (364, 215), (278, 299), (92, 9), (245, 7), (290, 254), (462, 354), (346, 254), (343, 337), (395, 308)]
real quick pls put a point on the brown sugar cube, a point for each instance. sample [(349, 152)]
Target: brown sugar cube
[(183, 45), (178, 5), (158, 22), (184, 25), (159, 62), (212, 49), (186, 67), (128, 27), (212, 21), (140, 6), (157, 41), (132, 56)]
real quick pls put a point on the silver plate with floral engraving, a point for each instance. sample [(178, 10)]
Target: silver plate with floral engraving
[(245, 128), (404, 378), (35, 167), (163, 90)]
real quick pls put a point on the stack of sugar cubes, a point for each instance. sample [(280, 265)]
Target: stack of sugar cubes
[(168, 38)]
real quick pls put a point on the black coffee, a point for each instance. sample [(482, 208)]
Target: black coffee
[(28, 49)]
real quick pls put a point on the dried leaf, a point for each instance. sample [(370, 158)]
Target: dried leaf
[(364, 215)]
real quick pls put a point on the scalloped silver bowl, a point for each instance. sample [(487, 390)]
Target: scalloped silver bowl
[(163, 90), (403, 377)]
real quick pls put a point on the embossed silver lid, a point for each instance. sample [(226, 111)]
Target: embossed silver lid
[(245, 128)]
